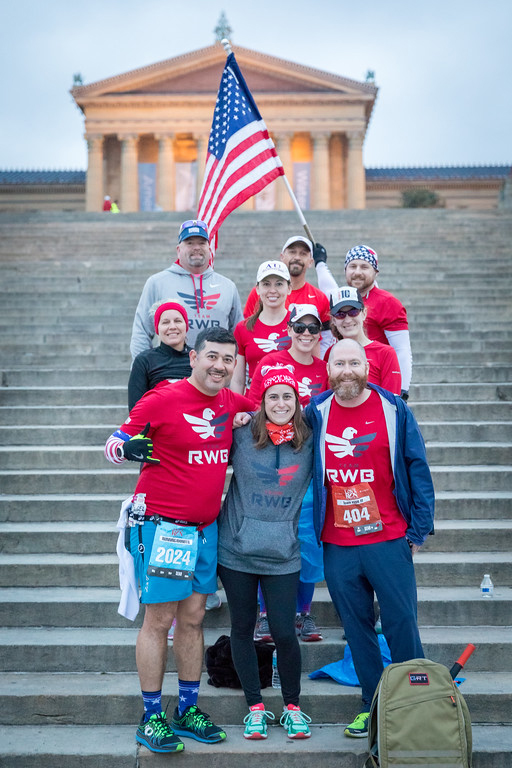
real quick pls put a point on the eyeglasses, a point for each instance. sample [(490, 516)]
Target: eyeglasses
[(193, 223), (300, 328), (342, 315)]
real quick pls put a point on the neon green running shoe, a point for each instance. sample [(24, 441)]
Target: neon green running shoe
[(359, 728), (196, 725), (295, 722), (157, 735)]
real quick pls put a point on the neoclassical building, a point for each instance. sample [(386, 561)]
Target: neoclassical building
[(147, 131)]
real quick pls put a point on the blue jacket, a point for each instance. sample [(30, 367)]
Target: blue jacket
[(414, 491)]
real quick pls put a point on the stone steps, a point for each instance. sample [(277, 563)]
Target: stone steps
[(84, 537), (112, 747), (66, 607), (101, 570)]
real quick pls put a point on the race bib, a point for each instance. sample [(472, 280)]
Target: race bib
[(355, 507), (174, 552)]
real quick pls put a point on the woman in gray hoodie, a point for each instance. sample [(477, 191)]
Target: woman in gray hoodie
[(272, 462)]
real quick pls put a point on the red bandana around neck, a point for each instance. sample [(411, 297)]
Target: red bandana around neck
[(280, 433)]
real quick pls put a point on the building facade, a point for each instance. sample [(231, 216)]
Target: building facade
[(147, 132)]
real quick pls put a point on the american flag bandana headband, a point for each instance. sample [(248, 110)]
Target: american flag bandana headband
[(364, 253)]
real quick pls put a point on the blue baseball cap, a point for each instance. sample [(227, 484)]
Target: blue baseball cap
[(193, 228)]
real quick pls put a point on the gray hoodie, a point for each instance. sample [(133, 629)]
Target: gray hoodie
[(259, 518), (209, 298)]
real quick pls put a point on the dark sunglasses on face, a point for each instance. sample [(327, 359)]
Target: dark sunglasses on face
[(300, 328), (340, 315)]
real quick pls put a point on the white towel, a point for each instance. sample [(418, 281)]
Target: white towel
[(129, 603)]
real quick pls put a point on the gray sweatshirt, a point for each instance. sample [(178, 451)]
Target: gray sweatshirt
[(209, 298), (259, 517)]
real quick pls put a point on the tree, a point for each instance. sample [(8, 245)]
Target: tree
[(420, 197)]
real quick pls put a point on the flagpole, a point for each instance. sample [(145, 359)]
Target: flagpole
[(227, 47)]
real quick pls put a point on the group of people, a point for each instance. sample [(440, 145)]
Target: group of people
[(305, 398)]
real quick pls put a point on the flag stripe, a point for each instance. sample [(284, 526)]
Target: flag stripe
[(241, 158), (230, 168)]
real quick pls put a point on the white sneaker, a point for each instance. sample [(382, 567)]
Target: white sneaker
[(213, 601)]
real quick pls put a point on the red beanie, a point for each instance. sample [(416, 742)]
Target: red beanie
[(170, 305), (278, 374)]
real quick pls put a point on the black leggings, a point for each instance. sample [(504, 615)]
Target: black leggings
[(280, 593)]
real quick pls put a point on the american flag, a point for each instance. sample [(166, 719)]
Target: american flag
[(241, 158)]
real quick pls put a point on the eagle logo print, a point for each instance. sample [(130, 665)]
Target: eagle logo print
[(282, 476), (207, 426), (348, 444), (197, 300), (307, 389), (273, 343)]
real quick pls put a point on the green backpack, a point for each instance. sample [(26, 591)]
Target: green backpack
[(418, 717)]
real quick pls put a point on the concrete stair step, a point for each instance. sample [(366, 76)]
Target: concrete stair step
[(47, 649), (464, 431), (110, 394), (89, 457), (100, 537), (471, 478), (101, 570), (44, 507), (121, 479), (97, 607), (114, 747), (115, 414), (72, 377)]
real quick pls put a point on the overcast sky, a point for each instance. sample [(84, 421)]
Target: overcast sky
[(442, 66)]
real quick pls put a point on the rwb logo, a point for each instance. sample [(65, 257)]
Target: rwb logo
[(347, 444), (207, 426), (199, 301)]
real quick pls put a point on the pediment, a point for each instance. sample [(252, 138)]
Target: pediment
[(199, 72)]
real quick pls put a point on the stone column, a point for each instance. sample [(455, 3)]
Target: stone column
[(166, 171), (283, 142), (202, 146), (321, 182), (94, 178), (129, 175), (356, 180)]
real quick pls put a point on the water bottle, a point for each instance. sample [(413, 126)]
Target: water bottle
[(487, 587), (276, 680)]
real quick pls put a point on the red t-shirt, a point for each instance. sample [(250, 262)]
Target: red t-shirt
[(255, 344), (357, 452), (385, 313), (308, 294), (384, 367), (312, 378), (192, 435)]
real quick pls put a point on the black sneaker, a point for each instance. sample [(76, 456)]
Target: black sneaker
[(157, 735), (197, 725), (262, 629)]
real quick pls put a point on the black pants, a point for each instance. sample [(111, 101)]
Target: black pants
[(280, 593)]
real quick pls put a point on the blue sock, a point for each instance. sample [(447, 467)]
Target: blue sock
[(152, 703), (188, 691)]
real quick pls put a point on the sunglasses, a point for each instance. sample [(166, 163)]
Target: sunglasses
[(350, 312), (193, 223), (300, 328)]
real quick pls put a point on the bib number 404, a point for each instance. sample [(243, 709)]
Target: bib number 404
[(355, 515), (170, 556)]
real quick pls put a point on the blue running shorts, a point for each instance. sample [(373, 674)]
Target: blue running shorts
[(155, 589)]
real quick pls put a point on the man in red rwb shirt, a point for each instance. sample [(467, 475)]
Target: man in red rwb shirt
[(182, 434), (364, 531)]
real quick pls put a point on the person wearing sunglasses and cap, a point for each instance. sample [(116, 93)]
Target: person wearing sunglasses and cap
[(266, 330), (211, 299), (258, 544), (348, 316), (304, 327), (386, 319), (297, 255)]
